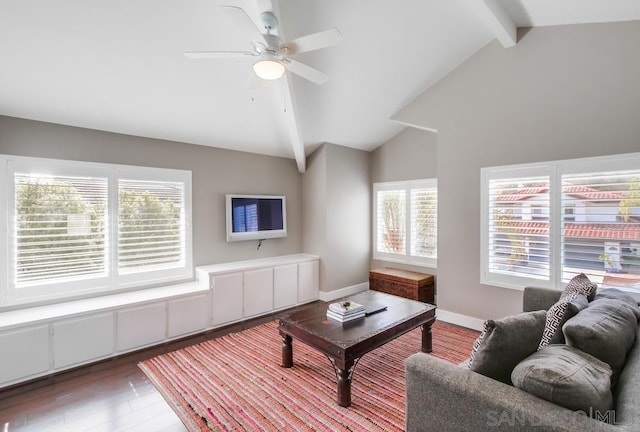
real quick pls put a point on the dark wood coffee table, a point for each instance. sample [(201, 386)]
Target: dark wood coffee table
[(345, 343)]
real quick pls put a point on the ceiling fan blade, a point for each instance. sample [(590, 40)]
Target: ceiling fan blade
[(217, 54), (305, 71), (314, 41), (242, 20)]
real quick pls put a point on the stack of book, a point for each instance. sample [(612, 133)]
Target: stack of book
[(345, 311)]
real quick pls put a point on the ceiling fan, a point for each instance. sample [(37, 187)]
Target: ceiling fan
[(273, 55)]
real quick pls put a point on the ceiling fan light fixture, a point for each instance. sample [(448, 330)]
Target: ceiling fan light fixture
[(268, 69)]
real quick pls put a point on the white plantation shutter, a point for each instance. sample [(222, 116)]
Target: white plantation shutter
[(545, 223), (405, 221), (517, 238), (424, 222), (81, 228), (601, 227), (391, 217), (151, 225), (59, 228)]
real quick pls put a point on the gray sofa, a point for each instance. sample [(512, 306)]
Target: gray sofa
[(445, 397)]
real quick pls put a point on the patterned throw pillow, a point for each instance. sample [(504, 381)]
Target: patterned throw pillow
[(580, 284), (558, 314)]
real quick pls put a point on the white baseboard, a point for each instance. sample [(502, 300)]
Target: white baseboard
[(459, 319), (342, 292)]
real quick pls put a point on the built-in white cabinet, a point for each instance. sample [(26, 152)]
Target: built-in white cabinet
[(82, 339), (188, 315), (227, 299), (245, 289), (40, 341), (258, 292), (25, 353), (141, 326), (308, 281), (285, 286)]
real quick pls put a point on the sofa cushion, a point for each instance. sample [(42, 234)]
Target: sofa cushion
[(616, 294), (606, 330), (567, 377), (505, 342), (558, 314), (580, 284)]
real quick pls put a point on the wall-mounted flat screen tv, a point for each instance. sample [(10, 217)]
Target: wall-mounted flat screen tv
[(256, 217)]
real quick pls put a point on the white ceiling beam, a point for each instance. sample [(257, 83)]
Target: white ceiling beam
[(291, 121), (498, 21), (289, 99)]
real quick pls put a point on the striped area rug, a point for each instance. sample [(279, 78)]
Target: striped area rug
[(236, 383)]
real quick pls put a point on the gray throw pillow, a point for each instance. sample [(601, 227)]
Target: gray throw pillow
[(580, 284), (504, 343), (616, 294), (558, 314), (567, 377), (606, 330)]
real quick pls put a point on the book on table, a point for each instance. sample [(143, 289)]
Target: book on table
[(346, 308), (345, 318)]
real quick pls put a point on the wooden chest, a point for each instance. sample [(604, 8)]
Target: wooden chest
[(403, 283)]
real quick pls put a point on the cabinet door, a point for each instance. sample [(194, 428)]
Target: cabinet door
[(308, 281), (187, 315), (285, 286), (227, 298), (258, 292), (141, 326), (25, 353), (82, 339)]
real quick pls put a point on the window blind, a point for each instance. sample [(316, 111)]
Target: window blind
[(151, 225), (60, 228), (424, 222), (391, 218), (601, 236), (518, 232)]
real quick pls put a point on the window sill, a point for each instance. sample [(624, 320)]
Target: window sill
[(29, 316), (406, 262)]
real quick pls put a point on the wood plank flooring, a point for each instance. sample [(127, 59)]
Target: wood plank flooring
[(113, 395)]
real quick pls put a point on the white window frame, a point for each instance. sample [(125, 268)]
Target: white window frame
[(112, 281), (405, 258), (555, 170)]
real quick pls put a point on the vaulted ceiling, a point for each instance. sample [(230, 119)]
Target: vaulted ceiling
[(118, 65)]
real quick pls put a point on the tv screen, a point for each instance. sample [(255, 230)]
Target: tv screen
[(256, 217)]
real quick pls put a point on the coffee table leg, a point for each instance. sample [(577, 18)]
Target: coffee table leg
[(287, 351), (344, 386), (427, 338)]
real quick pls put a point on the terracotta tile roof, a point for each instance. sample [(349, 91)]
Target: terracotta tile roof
[(604, 231), (577, 191), (587, 193)]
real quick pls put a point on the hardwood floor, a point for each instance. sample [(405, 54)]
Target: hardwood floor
[(113, 395)]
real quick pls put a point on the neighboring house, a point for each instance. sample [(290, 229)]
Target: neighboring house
[(597, 232)]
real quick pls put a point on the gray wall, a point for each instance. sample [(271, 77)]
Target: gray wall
[(562, 92), (337, 215), (215, 172), (410, 155)]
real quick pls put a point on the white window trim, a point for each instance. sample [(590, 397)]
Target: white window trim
[(405, 258), (555, 169), (112, 283)]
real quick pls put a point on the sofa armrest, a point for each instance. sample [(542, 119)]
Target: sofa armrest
[(535, 298), (443, 397)]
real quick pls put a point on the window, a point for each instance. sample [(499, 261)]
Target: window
[(405, 222), (77, 228), (544, 223)]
